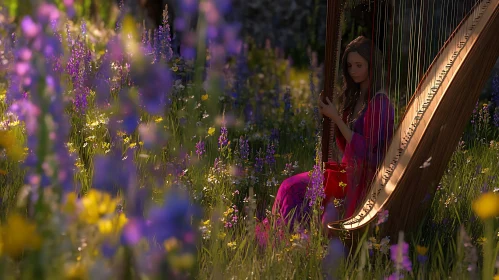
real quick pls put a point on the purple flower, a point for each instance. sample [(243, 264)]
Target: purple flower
[(496, 116), (259, 161), (29, 27), (200, 149), (133, 231), (189, 6), (382, 217), (222, 139), (315, 191), (495, 90), (243, 148), (176, 218), (113, 172), (399, 255), (154, 82), (269, 158), (27, 112)]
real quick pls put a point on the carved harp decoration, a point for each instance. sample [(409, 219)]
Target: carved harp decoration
[(433, 121)]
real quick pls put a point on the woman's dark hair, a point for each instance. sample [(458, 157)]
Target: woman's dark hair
[(351, 90)]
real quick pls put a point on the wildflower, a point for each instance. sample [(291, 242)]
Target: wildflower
[(96, 205), (270, 158), (9, 142), (17, 235), (384, 245), (173, 219), (487, 205), (315, 191), (399, 255), (243, 148), (211, 130), (171, 244), (382, 217), (112, 172), (259, 164), (154, 82), (422, 258), (222, 139), (232, 245), (200, 149), (204, 97)]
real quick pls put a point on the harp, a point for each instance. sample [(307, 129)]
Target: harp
[(435, 117)]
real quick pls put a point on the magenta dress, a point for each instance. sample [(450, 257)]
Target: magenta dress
[(373, 131)]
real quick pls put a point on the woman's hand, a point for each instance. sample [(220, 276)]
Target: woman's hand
[(328, 109)]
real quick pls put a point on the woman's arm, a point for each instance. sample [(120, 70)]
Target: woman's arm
[(344, 129)]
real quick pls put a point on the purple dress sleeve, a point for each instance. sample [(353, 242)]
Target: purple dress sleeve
[(370, 146)]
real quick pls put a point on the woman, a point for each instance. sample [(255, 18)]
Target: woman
[(364, 127)]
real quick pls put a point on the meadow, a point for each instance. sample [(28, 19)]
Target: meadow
[(121, 159)]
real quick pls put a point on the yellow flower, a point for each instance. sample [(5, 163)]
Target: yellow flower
[(158, 119), (496, 277), (171, 244), (112, 225), (12, 146), (294, 237), (421, 250), (204, 97), (232, 244), (211, 130), (487, 205), (96, 205), (18, 235)]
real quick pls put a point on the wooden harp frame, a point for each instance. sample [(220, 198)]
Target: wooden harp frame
[(450, 87)]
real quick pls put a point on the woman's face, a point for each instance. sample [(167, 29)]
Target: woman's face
[(357, 67)]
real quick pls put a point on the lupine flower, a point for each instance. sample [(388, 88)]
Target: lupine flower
[(495, 90), (315, 191), (200, 149), (113, 172), (175, 219), (496, 116), (259, 161), (243, 148), (269, 158), (474, 114), (155, 83), (399, 255), (222, 139)]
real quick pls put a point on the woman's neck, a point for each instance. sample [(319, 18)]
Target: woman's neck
[(364, 86)]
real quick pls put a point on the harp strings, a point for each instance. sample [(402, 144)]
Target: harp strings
[(429, 30)]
